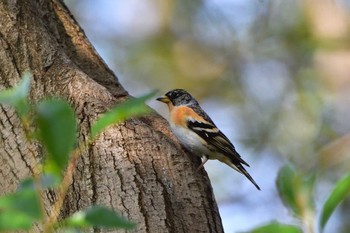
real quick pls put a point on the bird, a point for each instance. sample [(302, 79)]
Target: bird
[(198, 133)]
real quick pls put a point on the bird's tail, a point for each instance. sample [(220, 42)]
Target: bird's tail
[(238, 167), (244, 172)]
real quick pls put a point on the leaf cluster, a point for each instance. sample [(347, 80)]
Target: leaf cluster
[(297, 193)]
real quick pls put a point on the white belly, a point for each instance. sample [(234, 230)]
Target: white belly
[(190, 140)]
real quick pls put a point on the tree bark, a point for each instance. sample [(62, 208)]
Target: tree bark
[(137, 167)]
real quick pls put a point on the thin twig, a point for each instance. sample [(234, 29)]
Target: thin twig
[(62, 190)]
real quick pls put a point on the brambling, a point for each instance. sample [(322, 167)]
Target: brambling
[(198, 133)]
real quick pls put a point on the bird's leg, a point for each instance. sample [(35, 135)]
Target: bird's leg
[(204, 160)]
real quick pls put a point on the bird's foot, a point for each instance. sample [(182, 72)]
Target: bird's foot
[(204, 160)]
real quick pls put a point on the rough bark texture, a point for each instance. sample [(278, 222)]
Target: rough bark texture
[(136, 167)]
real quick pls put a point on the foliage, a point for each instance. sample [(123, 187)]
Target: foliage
[(133, 107), (297, 193), (17, 96), (97, 216), (54, 124), (274, 227), (20, 209), (59, 141), (340, 191)]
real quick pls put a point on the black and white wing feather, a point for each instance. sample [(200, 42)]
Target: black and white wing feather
[(214, 137)]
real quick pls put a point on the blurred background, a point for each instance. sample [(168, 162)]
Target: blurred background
[(273, 74)]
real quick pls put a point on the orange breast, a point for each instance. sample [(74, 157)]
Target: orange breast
[(180, 114)]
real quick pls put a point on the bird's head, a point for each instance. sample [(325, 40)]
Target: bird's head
[(177, 97)]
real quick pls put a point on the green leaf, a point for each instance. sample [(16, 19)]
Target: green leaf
[(17, 96), (98, 216), (20, 209), (14, 220), (129, 108), (274, 227), (26, 184), (340, 191), (285, 185), (57, 129), (296, 190)]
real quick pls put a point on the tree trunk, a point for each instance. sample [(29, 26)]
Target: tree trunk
[(136, 167)]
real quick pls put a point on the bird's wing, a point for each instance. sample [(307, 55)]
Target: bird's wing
[(215, 138)]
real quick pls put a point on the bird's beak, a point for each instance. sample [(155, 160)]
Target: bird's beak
[(163, 99)]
